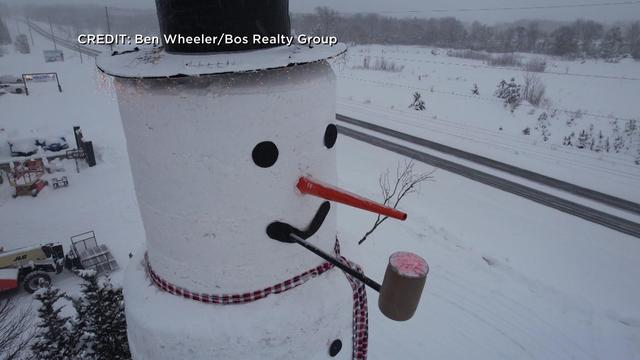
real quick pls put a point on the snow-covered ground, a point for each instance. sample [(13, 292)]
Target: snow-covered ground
[(509, 278), (480, 124), (99, 198)]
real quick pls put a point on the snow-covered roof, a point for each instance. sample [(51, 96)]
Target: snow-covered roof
[(23, 145), (154, 62)]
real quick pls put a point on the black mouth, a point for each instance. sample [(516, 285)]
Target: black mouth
[(280, 231)]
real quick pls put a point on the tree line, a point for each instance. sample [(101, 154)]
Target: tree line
[(581, 38)]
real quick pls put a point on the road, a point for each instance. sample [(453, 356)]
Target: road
[(509, 169), (62, 42), (596, 216)]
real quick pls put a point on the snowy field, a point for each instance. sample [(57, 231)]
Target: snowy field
[(480, 124), (509, 279)]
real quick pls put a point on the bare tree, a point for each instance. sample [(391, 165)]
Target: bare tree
[(327, 20), (393, 191), (533, 89), (16, 330)]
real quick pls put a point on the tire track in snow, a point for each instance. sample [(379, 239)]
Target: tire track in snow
[(510, 318)]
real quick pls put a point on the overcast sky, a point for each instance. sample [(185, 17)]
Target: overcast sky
[(386, 7)]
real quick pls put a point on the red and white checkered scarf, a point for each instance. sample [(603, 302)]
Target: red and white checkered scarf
[(360, 325)]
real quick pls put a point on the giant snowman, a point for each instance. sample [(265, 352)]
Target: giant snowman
[(218, 137)]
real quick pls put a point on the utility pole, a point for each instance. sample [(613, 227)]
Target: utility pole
[(78, 44), (53, 37), (30, 33), (106, 10)]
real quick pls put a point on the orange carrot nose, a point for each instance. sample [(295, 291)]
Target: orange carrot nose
[(331, 193)]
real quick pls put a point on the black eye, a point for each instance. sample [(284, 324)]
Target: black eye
[(330, 136), (335, 347), (265, 154)]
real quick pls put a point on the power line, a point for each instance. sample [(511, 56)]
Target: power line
[(540, 7)]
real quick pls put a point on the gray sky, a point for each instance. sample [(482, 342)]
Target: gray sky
[(604, 13)]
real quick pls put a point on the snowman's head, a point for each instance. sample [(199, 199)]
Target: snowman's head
[(217, 160), (265, 154)]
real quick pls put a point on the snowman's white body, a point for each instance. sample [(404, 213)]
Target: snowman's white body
[(206, 206)]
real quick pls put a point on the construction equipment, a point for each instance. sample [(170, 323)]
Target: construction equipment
[(87, 254), (30, 266), (25, 177)]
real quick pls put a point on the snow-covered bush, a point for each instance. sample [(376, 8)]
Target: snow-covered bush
[(533, 90), (475, 90), (509, 92), (380, 64), (536, 65), (418, 103), (469, 54), (504, 60)]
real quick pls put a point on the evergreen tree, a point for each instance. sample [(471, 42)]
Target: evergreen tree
[(600, 143), (82, 327), (475, 90), (630, 127), (543, 126), (418, 102), (618, 139), (633, 40), (509, 93), (591, 142), (111, 325), (618, 143), (568, 140), (501, 91), (52, 336), (5, 36), (583, 139), (612, 43), (564, 41)]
